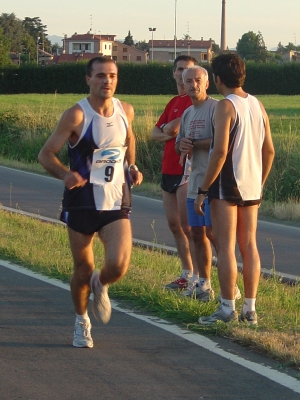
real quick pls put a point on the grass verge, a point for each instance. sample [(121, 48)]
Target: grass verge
[(44, 247)]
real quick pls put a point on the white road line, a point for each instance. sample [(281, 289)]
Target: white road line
[(195, 338)]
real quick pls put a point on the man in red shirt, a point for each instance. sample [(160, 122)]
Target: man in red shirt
[(175, 176)]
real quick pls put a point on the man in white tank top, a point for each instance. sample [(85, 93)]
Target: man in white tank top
[(101, 148), (241, 157)]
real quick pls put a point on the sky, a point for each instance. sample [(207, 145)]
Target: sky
[(278, 21)]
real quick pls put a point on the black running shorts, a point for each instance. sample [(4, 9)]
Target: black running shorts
[(91, 221)]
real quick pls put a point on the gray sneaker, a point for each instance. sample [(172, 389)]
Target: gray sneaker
[(101, 306), (82, 335), (190, 290), (237, 294), (219, 315), (250, 317), (204, 295)]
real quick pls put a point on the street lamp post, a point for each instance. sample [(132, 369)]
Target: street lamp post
[(37, 50), (175, 29), (152, 30)]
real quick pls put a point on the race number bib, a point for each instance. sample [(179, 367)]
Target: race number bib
[(107, 166)]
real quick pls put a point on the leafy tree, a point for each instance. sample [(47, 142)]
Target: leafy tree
[(36, 29), (29, 48), (251, 46), (142, 45), (4, 50), (13, 31), (215, 48), (129, 39), (280, 48), (56, 47), (290, 47), (186, 36)]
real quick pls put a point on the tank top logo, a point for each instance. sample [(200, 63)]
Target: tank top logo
[(109, 124), (110, 154)]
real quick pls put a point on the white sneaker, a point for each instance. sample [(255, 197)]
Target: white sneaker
[(101, 306), (82, 335)]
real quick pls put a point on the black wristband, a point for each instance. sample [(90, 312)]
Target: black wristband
[(162, 127), (204, 192)]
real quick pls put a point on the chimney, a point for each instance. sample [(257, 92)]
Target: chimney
[(223, 27)]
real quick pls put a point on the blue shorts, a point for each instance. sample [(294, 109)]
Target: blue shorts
[(195, 219)]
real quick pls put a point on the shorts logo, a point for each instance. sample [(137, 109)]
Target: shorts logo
[(110, 156)]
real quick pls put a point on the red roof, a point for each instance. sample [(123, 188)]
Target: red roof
[(90, 36), (72, 58)]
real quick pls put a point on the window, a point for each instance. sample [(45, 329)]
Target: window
[(105, 47), (115, 58), (124, 49), (76, 46), (124, 58), (138, 58), (115, 48)]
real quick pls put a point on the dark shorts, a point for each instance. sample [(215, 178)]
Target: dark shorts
[(170, 183), (88, 222), (237, 202)]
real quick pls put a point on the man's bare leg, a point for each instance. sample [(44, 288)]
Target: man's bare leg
[(83, 259), (176, 214), (246, 236), (224, 222), (117, 240), (201, 251)]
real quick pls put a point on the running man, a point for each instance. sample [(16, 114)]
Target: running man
[(174, 175), (97, 196)]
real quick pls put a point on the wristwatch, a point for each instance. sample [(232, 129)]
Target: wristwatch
[(133, 166), (204, 192)]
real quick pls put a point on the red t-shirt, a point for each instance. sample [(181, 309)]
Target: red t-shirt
[(174, 109)]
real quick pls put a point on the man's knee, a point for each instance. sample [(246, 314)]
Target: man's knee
[(83, 272)]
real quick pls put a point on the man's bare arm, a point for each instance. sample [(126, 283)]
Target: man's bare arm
[(268, 152), (168, 132), (67, 129), (136, 176)]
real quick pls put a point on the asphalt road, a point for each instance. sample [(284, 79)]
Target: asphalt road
[(133, 358), (278, 243)]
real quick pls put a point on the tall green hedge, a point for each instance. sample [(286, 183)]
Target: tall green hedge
[(150, 79)]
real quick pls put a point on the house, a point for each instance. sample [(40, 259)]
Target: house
[(123, 53), (89, 45), (291, 56), (164, 50)]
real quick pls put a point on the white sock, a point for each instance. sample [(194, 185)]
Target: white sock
[(204, 283), (228, 306), (249, 305), (194, 278), (83, 318), (186, 274)]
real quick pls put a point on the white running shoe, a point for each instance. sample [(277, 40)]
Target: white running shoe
[(82, 335), (101, 306)]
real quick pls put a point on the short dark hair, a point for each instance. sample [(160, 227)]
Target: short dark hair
[(183, 58), (100, 60), (230, 68)]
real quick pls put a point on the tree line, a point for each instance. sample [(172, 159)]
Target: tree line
[(24, 37)]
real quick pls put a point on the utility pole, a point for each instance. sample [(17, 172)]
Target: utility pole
[(223, 26)]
